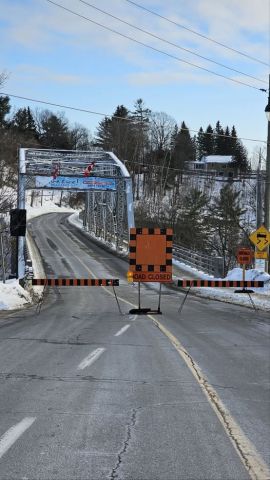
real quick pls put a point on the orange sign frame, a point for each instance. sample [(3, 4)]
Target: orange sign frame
[(150, 254)]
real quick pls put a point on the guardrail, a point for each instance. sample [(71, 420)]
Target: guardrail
[(200, 261)]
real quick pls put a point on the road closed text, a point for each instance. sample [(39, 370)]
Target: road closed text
[(152, 277)]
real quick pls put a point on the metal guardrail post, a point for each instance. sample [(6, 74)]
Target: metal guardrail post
[(218, 267)]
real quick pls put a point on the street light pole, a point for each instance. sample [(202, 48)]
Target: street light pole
[(267, 179)]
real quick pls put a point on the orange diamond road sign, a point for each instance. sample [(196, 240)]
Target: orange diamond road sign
[(244, 256), (150, 254), (260, 238)]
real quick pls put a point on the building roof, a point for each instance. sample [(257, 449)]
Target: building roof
[(217, 159)]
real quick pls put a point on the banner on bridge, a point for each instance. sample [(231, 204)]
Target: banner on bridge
[(76, 183)]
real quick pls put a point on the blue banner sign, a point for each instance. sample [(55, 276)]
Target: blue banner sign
[(76, 183)]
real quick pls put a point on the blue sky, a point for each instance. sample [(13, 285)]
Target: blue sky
[(55, 56)]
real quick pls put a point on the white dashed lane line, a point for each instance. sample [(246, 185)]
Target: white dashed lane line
[(122, 330), (91, 358), (15, 432)]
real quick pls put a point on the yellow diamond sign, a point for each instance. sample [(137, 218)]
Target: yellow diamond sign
[(260, 238)]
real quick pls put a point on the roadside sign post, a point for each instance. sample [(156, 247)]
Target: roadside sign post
[(150, 260), (260, 259), (261, 239), (244, 257)]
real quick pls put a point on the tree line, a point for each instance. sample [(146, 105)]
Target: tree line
[(142, 136), (37, 129), (156, 151), (139, 137)]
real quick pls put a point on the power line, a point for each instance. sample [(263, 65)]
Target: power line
[(171, 43), (197, 33), (152, 48), (84, 110), (196, 173)]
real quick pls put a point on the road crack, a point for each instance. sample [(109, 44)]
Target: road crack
[(130, 426), (84, 378)]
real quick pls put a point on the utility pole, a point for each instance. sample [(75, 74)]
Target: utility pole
[(259, 193), (267, 179), (3, 259)]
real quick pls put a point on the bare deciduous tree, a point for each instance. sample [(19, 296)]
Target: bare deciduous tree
[(161, 129)]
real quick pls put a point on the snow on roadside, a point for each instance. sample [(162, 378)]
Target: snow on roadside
[(198, 274), (77, 222), (252, 274), (13, 296), (33, 212), (260, 297)]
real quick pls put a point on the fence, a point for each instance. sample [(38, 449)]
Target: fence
[(200, 261)]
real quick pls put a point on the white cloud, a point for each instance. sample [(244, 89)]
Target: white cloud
[(168, 78), (43, 26), (42, 74)]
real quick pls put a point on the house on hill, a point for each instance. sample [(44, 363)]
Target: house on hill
[(219, 165)]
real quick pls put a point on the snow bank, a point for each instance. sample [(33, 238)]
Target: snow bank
[(13, 296), (252, 274), (77, 222), (260, 297)]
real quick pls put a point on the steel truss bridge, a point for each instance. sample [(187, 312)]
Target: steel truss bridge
[(108, 189)]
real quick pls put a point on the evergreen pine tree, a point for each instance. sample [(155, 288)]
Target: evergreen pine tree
[(200, 147), (116, 134), (227, 146), (240, 157), (23, 121), (54, 131), (184, 150), (218, 140), (239, 153), (208, 141), (103, 134)]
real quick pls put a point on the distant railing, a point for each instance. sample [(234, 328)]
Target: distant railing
[(206, 263)]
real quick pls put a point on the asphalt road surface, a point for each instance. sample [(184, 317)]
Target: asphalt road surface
[(88, 393)]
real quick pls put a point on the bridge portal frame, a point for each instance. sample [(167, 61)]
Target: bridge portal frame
[(107, 212)]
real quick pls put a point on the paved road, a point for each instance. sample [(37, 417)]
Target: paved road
[(87, 393)]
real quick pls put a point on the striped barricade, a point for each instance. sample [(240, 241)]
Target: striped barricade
[(75, 282), (220, 283)]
